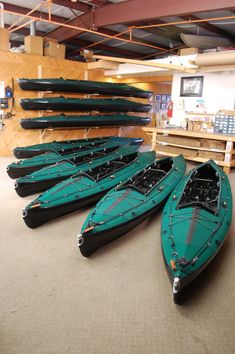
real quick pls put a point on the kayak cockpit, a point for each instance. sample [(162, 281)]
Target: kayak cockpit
[(202, 190), (110, 167), (146, 180)]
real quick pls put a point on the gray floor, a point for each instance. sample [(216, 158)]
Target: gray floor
[(54, 301)]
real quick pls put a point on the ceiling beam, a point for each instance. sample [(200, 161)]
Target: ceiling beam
[(26, 31), (24, 11), (126, 36), (102, 47), (134, 10), (80, 6), (209, 27), (62, 33)]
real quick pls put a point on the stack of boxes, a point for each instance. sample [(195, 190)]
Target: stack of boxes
[(224, 124), (36, 45)]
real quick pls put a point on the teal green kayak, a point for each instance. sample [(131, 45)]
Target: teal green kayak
[(83, 121), (83, 104), (129, 204), (82, 86), (195, 221), (23, 152), (47, 177), (24, 167), (85, 188)]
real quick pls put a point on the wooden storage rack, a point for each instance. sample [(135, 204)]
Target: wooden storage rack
[(228, 152)]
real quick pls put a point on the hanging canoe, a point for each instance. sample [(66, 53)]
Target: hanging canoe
[(47, 177), (85, 188), (195, 221), (85, 121), (78, 104), (64, 145), (129, 204), (82, 86), (27, 166)]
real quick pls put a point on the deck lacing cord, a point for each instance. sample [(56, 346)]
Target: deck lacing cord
[(204, 246), (142, 201), (86, 184)]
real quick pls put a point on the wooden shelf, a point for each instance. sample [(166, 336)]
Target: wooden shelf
[(192, 147), (226, 162)]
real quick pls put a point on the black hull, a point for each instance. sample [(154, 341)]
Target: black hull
[(20, 154), (25, 189), (81, 87), (16, 172), (37, 124), (37, 217), (24, 154), (91, 243), (66, 105), (186, 281)]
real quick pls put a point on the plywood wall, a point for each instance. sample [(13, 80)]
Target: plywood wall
[(15, 66)]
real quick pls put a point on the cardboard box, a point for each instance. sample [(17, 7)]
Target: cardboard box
[(48, 39), (213, 144), (179, 140), (188, 51), (211, 155), (176, 150), (4, 39), (54, 50), (33, 45)]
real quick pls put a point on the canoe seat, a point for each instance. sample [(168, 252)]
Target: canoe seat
[(144, 182), (200, 192)]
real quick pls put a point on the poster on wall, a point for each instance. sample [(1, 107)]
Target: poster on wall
[(191, 86)]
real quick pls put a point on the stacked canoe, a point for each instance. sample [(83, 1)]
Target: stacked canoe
[(118, 107)]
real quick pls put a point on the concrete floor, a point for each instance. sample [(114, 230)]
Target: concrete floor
[(54, 301)]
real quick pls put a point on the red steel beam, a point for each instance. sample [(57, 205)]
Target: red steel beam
[(134, 10), (80, 6), (26, 32), (24, 10)]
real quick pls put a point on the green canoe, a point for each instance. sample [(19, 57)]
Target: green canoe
[(83, 121), (129, 204), (23, 152), (85, 188), (24, 167), (47, 177), (82, 86), (195, 221), (83, 104)]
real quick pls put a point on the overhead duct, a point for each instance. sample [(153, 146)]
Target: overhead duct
[(217, 58), (205, 42)]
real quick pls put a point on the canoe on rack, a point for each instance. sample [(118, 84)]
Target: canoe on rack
[(195, 221), (47, 177), (129, 204), (84, 121), (64, 145), (27, 166), (85, 188), (86, 104), (82, 86)]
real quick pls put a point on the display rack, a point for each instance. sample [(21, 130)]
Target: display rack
[(193, 145)]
